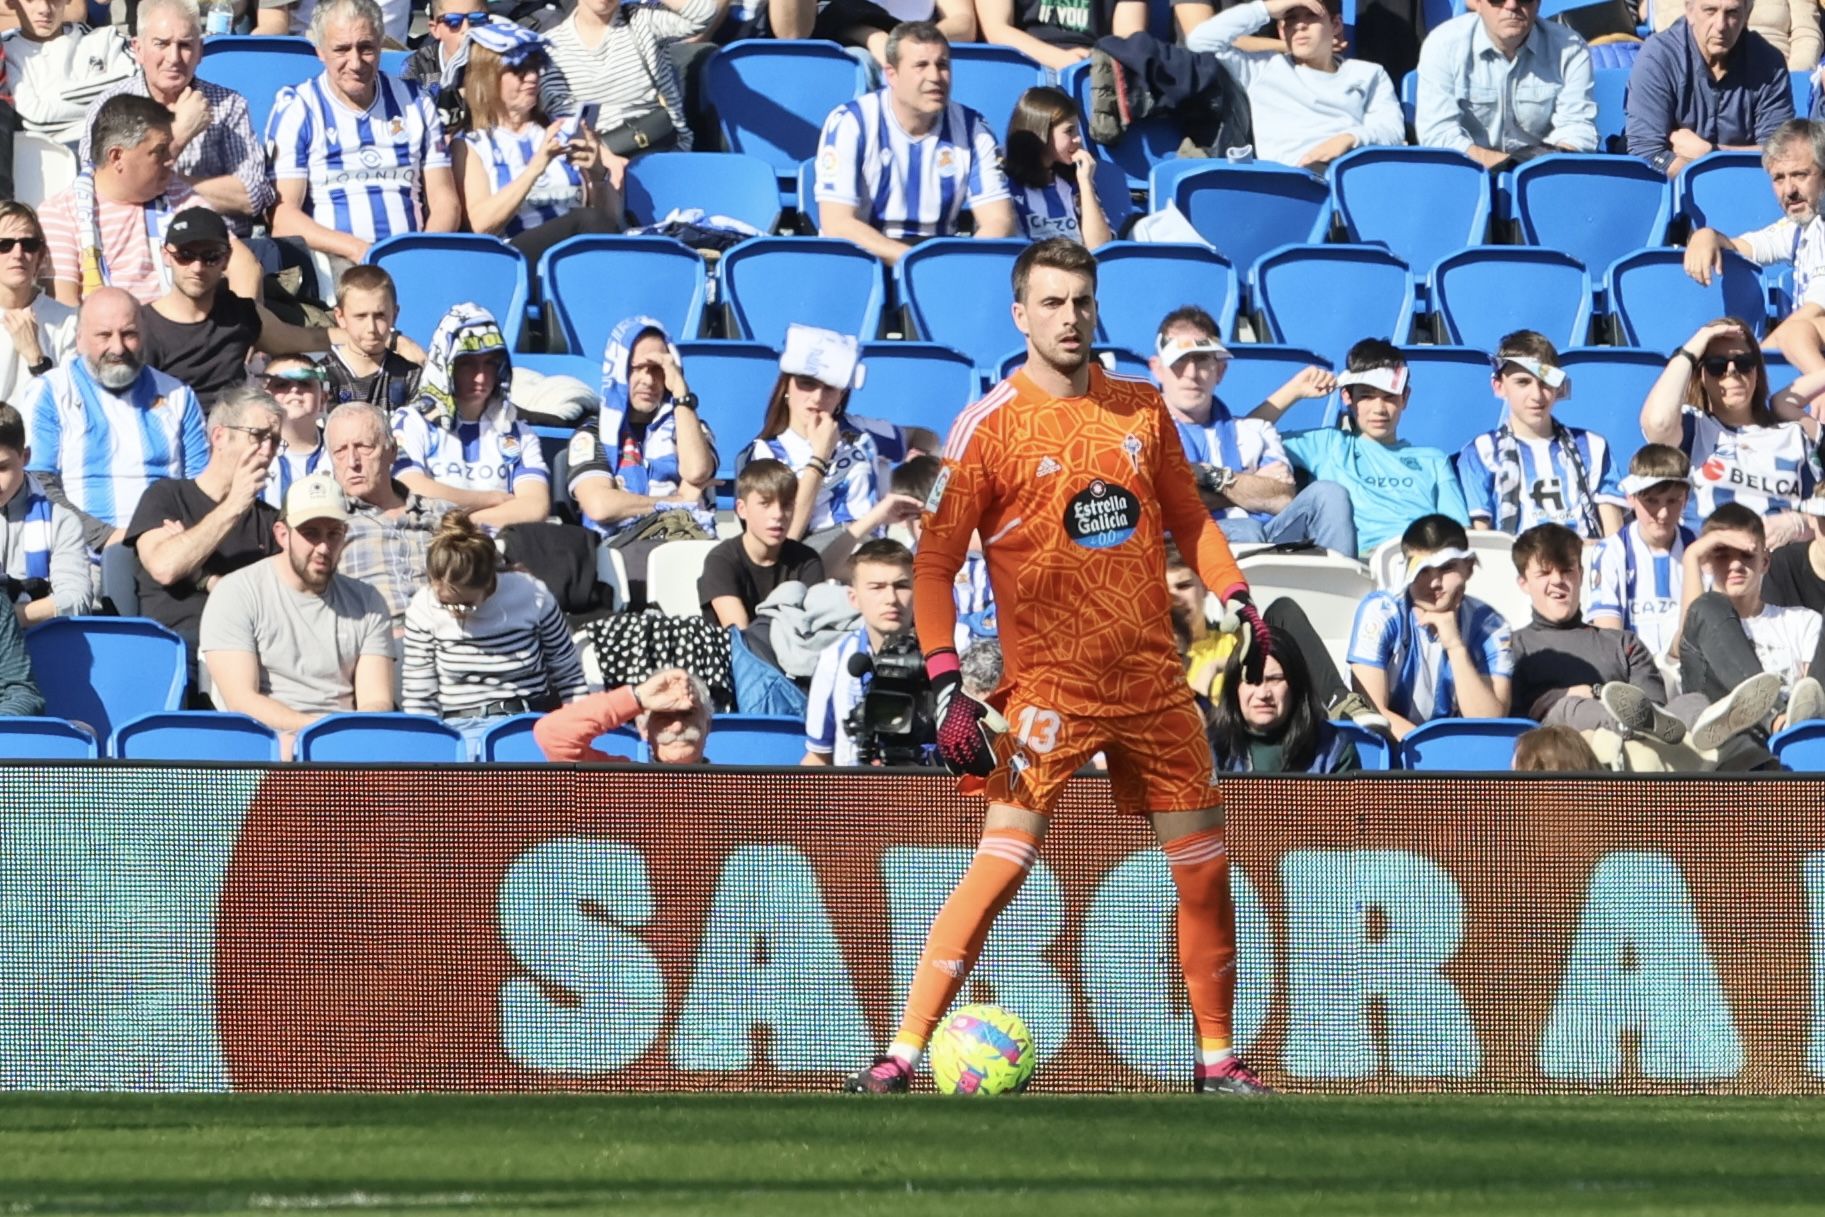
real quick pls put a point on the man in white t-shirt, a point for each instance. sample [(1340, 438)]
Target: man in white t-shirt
[(1242, 470), (1794, 158), (288, 640), (1731, 635)]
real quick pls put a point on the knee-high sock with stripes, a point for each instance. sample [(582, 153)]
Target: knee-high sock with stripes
[(1207, 936), (994, 877)]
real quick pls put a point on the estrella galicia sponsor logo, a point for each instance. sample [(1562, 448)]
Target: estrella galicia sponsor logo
[(1102, 515)]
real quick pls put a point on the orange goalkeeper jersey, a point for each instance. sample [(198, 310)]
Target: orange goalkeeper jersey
[(1073, 498)]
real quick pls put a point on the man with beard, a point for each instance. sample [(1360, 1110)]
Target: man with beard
[(288, 640), (104, 426), (1073, 476), (1794, 158)]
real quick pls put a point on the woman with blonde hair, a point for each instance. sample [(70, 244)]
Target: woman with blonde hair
[(1052, 174), (483, 643), (523, 176)]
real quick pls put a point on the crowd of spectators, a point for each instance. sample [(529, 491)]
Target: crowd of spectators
[(204, 374)]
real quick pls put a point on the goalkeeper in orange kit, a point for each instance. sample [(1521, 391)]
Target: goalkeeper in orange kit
[(1073, 476)]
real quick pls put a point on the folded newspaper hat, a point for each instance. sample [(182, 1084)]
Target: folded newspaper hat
[(1433, 560), (824, 355)]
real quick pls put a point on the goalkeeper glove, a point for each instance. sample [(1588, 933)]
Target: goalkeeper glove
[(966, 727), (1260, 643)]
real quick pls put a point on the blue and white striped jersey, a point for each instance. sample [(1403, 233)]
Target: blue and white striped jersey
[(834, 693), (364, 170), (1387, 635), (856, 473), (1549, 492), (644, 465), (1049, 210), (908, 188), (486, 455), (1766, 469), (1241, 445), (288, 467), (1638, 587), (107, 446), (507, 155)]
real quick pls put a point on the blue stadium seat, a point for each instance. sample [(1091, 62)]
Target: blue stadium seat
[(394, 62), (1594, 208), (1422, 203), (1164, 177), (590, 283), (1409, 96), (1452, 398), (755, 739), (732, 381), (510, 740), (104, 671), (1464, 745), (1608, 386), (1136, 279), (195, 735), (915, 384), (771, 97), (956, 291), (434, 270), (989, 79), (1609, 88), (743, 188), (1801, 748), (120, 579), (1257, 369), (586, 368), (1297, 288), (770, 282), (1113, 359), (1116, 199), (1482, 293), (257, 66), (1374, 751), (1657, 305), (1248, 210), (1727, 191), (1801, 83), (377, 739), (624, 741), (45, 739), (1142, 146)]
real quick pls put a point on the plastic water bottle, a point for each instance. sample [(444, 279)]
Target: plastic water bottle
[(220, 18)]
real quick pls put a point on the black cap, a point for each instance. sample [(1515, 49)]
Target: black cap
[(196, 226)]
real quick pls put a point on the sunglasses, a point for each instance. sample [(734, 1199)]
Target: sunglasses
[(456, 21), (261, 436), (1721, 365), (211, 257), (30, 245)]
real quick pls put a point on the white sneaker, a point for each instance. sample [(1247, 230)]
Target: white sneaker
[(1806, 702), (1748, 705)]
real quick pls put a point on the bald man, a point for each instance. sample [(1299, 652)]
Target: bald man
[(104, 426)]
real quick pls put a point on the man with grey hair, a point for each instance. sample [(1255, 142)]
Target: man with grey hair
[(1794, 158), (1705, 84), (218, 152), (390, 527), (354, 149), (297, 16), (108, 228), (104, 427), (670, 709), (190, 533)]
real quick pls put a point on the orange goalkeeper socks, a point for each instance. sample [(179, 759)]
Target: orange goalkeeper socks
[(994, 877), (1207, 935)]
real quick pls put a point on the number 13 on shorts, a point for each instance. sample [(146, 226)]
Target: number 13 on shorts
[(1038, 729)]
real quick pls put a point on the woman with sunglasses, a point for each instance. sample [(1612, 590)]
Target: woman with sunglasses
[(299, 386), (841, 461), (1712, 403), (523, 176), (37, 332), (483, 643)]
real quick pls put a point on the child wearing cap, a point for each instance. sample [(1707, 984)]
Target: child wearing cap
[(1636, 575), (840, 465), (1533, 469), (1430, 651), (1241, 466), (1391, 482), (298, 384)]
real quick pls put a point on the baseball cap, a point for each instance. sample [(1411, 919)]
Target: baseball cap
[(1174, 347), (196, 226), (314, 498)]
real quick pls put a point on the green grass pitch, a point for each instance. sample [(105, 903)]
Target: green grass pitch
[(831, 1154)]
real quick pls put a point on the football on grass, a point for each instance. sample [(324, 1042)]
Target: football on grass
[(982, 1050)]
